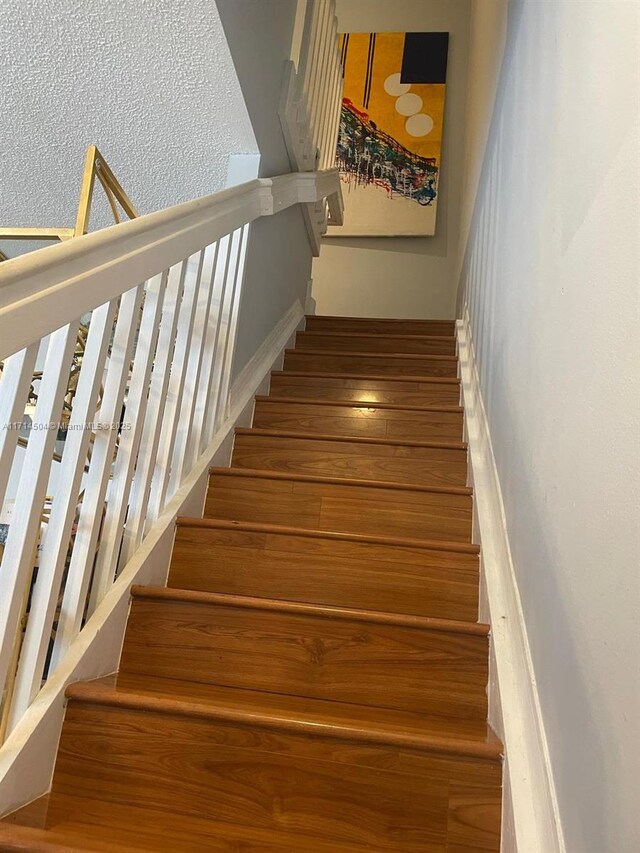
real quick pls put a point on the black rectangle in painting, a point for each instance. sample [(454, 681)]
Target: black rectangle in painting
[(424, 59)]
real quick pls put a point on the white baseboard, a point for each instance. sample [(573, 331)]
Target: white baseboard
[(531, 821), (27, 757)]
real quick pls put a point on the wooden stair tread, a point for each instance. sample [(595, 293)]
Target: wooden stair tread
[(365, 377), (326, 322), (356, 354), (90, 825), (342, 481), (280, 711), (376, 342), (349, 404), (431, 544), (346, 318), (393, 422), (357, 335), (351, 439), (427, 623)]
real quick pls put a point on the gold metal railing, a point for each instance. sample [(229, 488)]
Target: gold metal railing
[(95, 166)]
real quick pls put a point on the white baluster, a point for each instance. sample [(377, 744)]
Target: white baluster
[(152, 429), (63, 511), (198, 439), (325, 75), (136, 405), (16, 380), (20, 550), (222, 403), (95, 486), (223, 276), (173, 403), (182, 453)]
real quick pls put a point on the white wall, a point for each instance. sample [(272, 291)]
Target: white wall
[(551, 286), (411, 276), (151, 82)]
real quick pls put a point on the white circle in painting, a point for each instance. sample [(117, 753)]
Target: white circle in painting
[(394, 87), (408, 105), (419, 125)]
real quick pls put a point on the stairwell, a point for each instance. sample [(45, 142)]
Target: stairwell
[(313, 676)]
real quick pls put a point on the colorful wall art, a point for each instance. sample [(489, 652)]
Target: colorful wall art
[(391, 132)]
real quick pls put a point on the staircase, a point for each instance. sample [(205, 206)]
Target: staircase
[(313, 677)]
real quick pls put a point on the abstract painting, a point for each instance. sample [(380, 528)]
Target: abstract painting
[(390, 137)]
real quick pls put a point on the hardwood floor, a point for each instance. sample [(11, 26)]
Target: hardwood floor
[(313, 677)]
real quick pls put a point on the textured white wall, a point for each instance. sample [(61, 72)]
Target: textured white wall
[(405, 276), (551, 286), (151, 82)]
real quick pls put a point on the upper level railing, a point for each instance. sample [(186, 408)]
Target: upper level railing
[(310, 107), (157, 298)]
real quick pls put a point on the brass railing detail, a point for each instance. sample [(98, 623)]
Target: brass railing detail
[(95, 166)]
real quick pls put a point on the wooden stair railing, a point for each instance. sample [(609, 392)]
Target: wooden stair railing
[(313, 677)]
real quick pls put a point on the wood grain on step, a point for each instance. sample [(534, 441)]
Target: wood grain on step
[(326, 570), (404, 392), (373, 325), (371, 363), (362, 342), (366, 420), (319, 656), (367, 460), (265, 780), (347, 508), (198, 768), (104, 825)]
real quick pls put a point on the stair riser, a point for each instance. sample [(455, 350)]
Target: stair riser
[(364, 421), (343, 325), (365, 390), (376, 343), (415, 581), (424, 466), (346, 660), (370, 365), (384, 798), (343, 509)]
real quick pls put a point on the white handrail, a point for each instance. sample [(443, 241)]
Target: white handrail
[(37, 289), (163, 295)]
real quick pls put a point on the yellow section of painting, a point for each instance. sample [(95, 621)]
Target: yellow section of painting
[(382, 107)]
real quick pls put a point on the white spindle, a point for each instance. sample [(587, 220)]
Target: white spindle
[(328, 143), (322, 76), (315, 91), (173, 403), (221, 285), (182, 453), (199, 440), (20, 550), (305, 66), (217, 403), (232, 327), (152, 428), (14, 388), (120, 483), (97, 479), (63, 511)]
